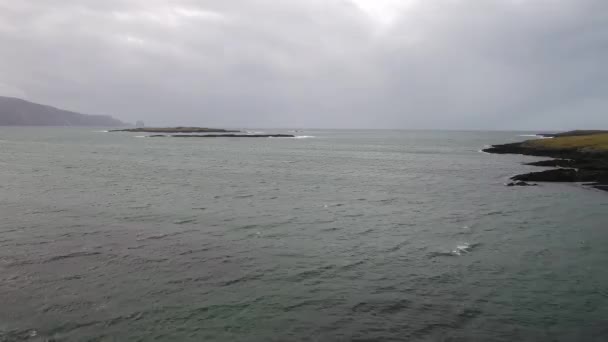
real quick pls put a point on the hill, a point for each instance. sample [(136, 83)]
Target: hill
[(18, 112)]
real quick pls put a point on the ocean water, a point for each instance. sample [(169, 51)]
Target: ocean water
[(340, 236)]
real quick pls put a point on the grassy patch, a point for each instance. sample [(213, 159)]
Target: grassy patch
[(594, 142)]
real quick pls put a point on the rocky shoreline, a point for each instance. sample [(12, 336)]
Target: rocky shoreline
[(575, 160)]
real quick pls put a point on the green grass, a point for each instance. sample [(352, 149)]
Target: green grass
[(593, 142)]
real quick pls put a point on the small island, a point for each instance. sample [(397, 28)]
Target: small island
[(190, 132), (223, 136), (580, 156), (175, 130)]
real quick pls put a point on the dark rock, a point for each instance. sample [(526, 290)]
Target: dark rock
[(563, 175), (603, 187), (567, 156), (557, 175), (588, 164)]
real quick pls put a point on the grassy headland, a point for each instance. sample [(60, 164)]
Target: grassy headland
[(582, 156), (593, 142)]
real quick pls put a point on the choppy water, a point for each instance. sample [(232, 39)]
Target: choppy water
[(347, 236)]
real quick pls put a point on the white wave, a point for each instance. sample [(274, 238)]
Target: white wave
[(538, 136), (101, 131), (297, 137), (141, 136), (484, 147), (464, 248)]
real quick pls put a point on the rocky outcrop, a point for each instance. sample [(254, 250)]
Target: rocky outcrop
[(574, 164), (521, 183), (564, 175)]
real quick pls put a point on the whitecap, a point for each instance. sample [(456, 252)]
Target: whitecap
[(101, 131), (538, 136), (485, 147), (464, 248), (304, 137), (141, 136)]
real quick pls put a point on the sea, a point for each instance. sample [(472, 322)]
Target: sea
[(336, 235)]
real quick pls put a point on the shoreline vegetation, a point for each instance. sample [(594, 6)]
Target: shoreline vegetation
[(579, 156)]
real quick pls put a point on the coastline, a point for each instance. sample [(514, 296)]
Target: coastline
[(579, 157)]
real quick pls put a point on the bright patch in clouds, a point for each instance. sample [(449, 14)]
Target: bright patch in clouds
[(384, 12), (168, 16)]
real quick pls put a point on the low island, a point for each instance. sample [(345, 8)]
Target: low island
[(223, 136), (175, 130), (580, 156), (197, 132)]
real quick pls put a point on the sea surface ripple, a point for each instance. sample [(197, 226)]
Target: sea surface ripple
[(343, 236)]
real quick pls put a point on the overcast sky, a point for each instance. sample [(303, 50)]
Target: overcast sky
[(460, 64)]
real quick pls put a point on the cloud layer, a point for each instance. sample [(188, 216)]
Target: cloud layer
[(460, 64)]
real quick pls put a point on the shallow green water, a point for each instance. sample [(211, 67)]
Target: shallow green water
[(350, 235)]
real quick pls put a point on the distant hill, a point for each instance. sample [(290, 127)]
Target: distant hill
[(17, 112)]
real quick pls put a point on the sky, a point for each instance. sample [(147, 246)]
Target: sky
[(406, 64)]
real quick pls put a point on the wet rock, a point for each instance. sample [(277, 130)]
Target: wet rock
[(603, 187), (556, 175), (564, 175)]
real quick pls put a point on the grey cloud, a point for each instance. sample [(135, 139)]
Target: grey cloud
[(497, 64)]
